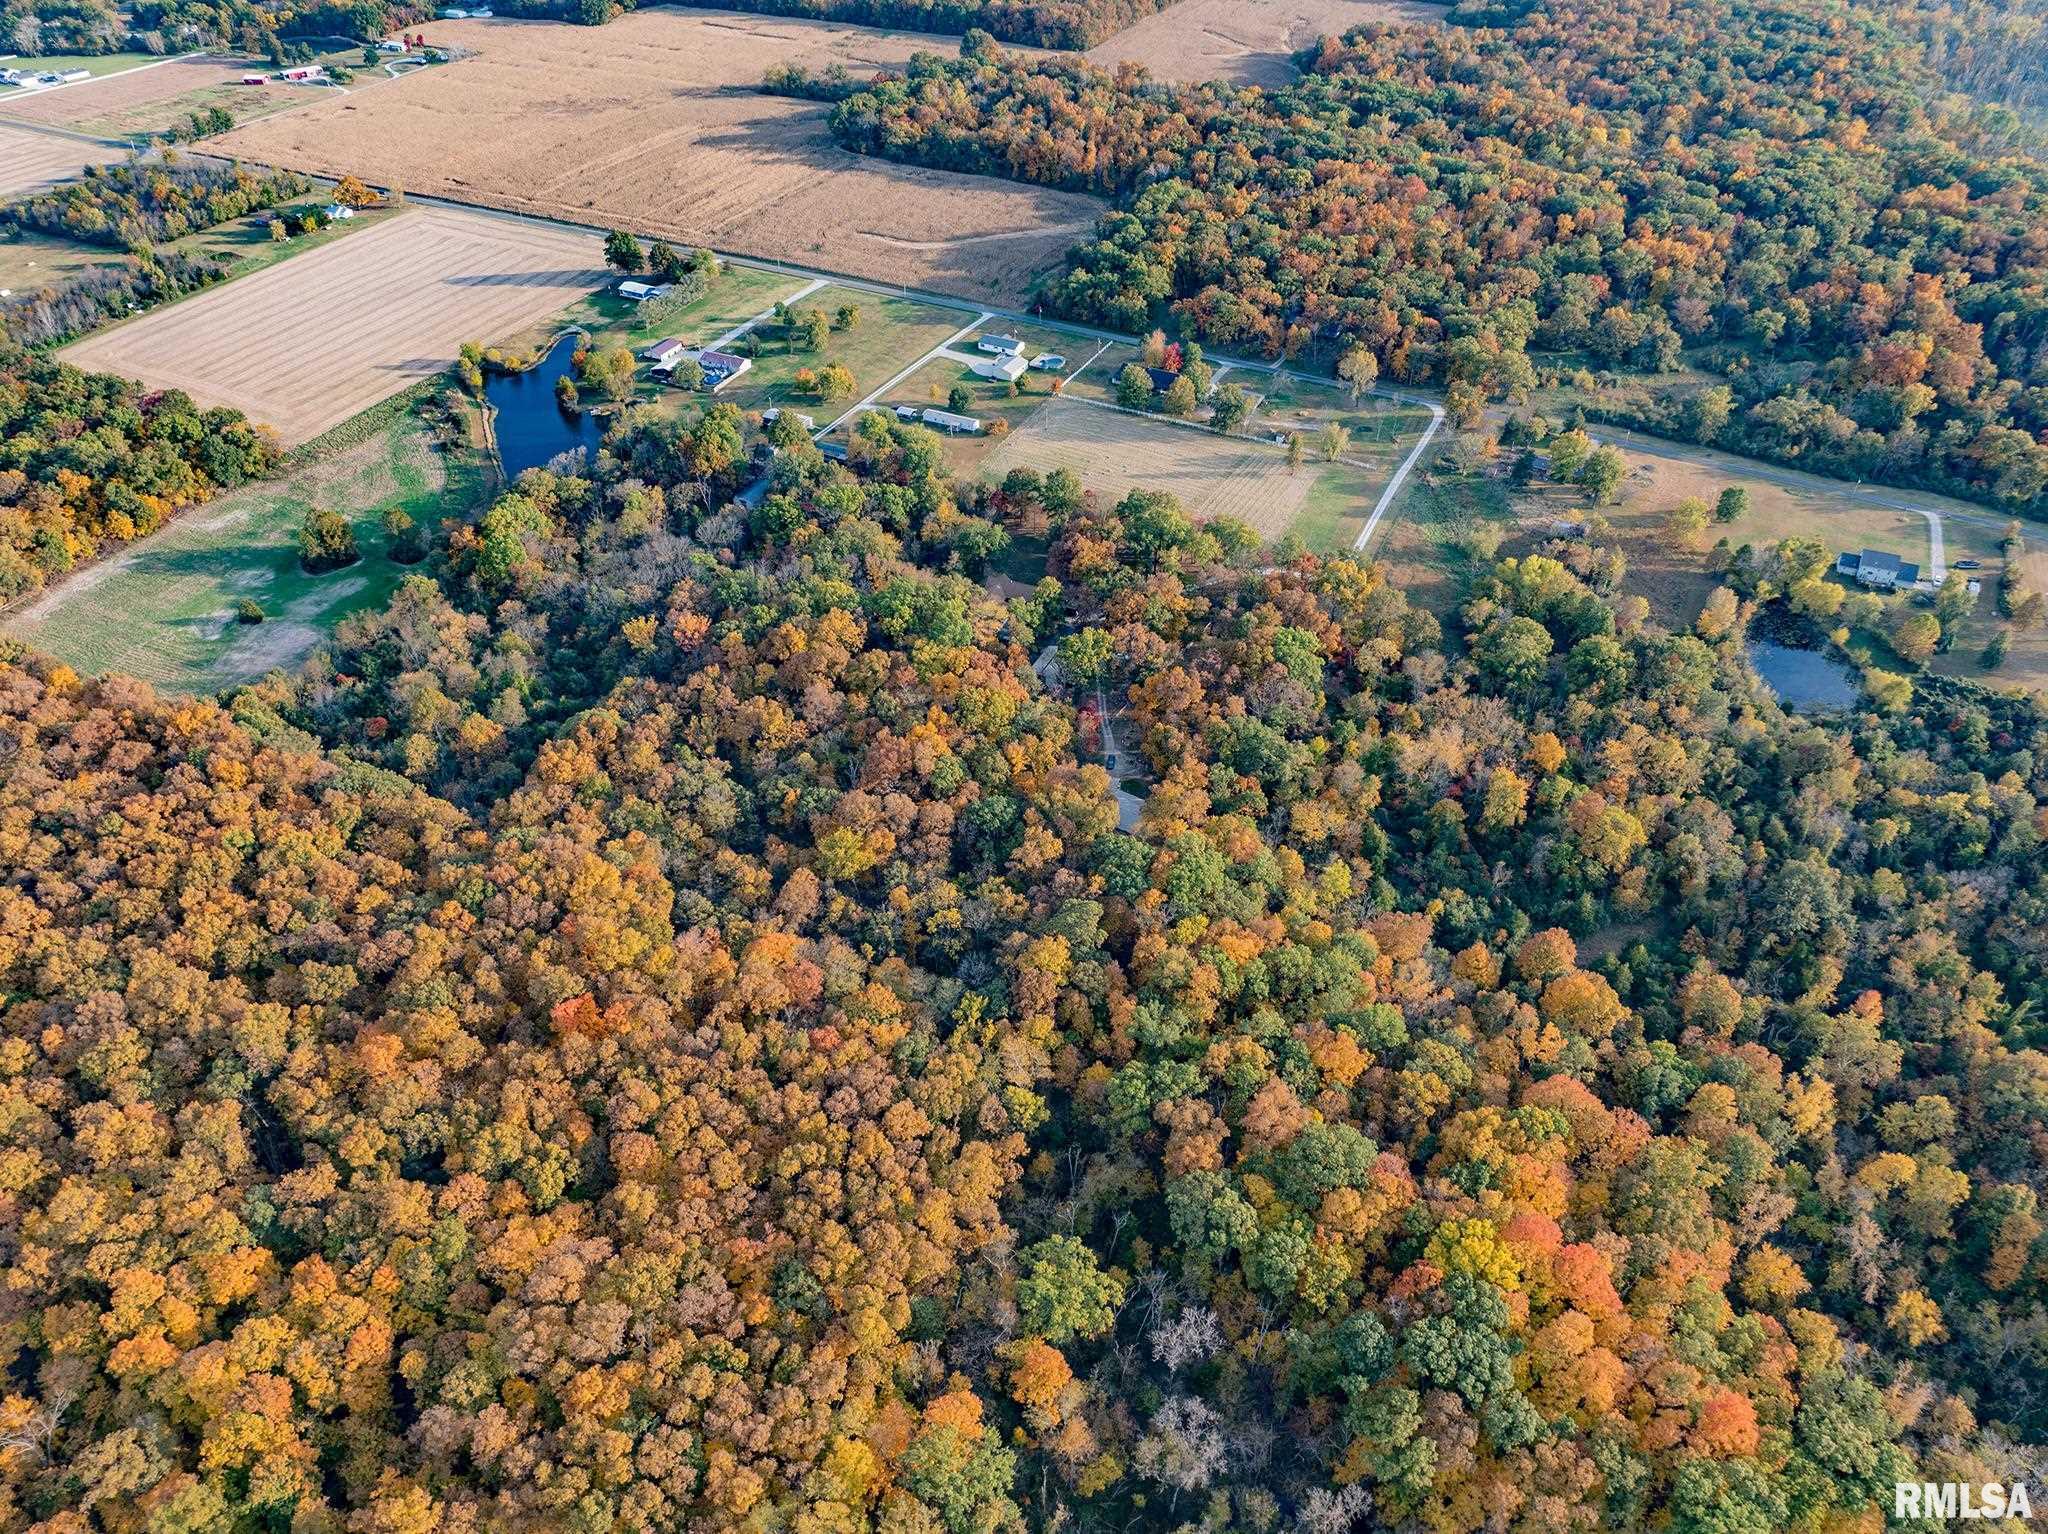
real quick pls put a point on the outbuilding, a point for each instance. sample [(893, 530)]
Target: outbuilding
[(946, 420)]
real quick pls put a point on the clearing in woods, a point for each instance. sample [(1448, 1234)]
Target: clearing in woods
[(1114, 454), (652, 122), (33, 158), (164, 609), (308, 343), (1244, 42)]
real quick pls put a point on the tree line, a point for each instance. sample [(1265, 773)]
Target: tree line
[(137, 203), (88, 459)]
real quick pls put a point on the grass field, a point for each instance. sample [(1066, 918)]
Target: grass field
[(164, 609), (892, 334), (308, 344), (30, 259), (736, 295), (1114, 453), (100, 65)]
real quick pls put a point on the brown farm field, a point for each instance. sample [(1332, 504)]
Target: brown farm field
[(1114, 453), (150, 99), (652, 123), (310, 342), (31, 159), (1244, 42)]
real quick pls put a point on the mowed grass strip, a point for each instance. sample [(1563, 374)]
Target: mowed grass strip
[(165, 608), (308, 343)]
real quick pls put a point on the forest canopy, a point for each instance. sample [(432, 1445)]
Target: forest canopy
[(661, 1026)]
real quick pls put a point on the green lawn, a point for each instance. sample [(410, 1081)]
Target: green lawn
[(892, 333), (1338, 503), (245, 243), (737, 295), (164, 608), (59, 63), (30, 259)]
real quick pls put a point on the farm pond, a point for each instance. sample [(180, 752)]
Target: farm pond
[(1806, 681), (531, 426)]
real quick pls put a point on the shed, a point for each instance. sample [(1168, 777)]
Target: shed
[(666, 350)]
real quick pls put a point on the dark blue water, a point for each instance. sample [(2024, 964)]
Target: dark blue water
[(531, 426), (1804, 680)]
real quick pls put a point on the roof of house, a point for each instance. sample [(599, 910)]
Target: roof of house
[(1162, 378), (1878, 562), (1008, 366), (1000, 344), (722, 362)]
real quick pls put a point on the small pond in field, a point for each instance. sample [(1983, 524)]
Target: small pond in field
[(531, 425), (1808, 681)]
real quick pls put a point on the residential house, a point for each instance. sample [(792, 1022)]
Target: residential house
[(1878, 570)]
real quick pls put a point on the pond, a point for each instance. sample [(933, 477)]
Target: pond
[(1805, 680), (532, 427)]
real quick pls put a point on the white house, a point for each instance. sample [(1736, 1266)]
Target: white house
[(641, 292), (1005, 369), (945, 420), (1878, 570), (1001, 346), (806, 422), (337, 211), (392, 45)]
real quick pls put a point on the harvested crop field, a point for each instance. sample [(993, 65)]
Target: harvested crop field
[(1244, 42), (31, 159), (307, 343), (149, 99), (1114, 454), (652, 123)]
